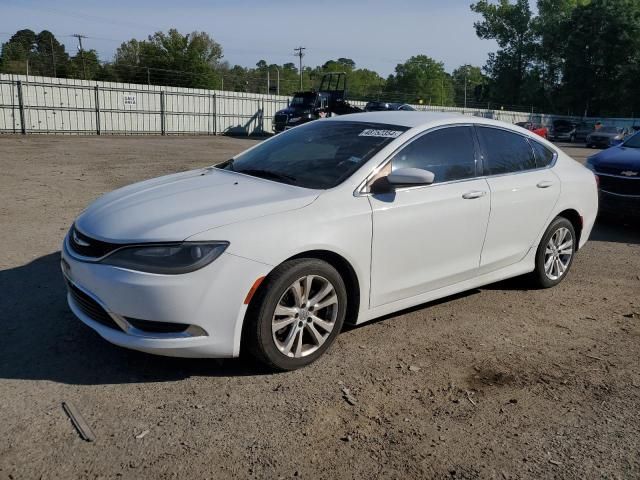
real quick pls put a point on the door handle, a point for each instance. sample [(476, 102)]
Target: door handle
[(544, 184), (473, 194)]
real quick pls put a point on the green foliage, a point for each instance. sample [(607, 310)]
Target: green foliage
[(575, 56), (44, 54), (421, 79), (470, 78)]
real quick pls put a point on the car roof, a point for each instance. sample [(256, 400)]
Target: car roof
[(404, 119)]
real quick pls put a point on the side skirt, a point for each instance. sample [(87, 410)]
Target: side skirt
[(526, 265)]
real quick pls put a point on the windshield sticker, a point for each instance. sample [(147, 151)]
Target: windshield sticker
[(371, 132)]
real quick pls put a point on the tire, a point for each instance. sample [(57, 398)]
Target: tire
[(306, 332), (558, 234)]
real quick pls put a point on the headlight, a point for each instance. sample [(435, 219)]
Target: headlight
[(170, 259)]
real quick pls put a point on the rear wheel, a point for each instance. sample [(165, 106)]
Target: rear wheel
[(297, 314), (555, 253)]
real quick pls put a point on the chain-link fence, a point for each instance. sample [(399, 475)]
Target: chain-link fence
[(48, 105), (69, 106)]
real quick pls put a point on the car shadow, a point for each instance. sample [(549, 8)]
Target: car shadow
[(605, 230), (617, 230), (42, 340)]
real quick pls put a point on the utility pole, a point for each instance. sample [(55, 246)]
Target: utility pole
[(300, 53), (53, 56), (84, 69), (465, 89)]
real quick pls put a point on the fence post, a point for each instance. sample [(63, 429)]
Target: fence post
[(162, 125), (23, 126), (96, 90), (215, 115)]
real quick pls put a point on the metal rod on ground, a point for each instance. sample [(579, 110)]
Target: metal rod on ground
[(79, 422)]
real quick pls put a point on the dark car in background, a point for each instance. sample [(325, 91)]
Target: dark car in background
[(618, 172), (562, 130), (582, 131), (606, 137), (378, 106)]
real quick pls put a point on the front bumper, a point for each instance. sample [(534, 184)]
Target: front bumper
[(209, 301), (619, 205)]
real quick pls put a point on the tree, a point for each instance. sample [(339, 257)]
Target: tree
[(601, 57), (420, 79), (511, 26), (85, 65), (468, 83), (189, 60)]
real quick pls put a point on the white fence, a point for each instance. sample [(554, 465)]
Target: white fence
[(58, 105)]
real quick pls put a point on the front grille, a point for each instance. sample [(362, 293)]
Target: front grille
[(621, 186), (157, 327), (89, 247), (600, 139), (613, 170), (91, 308), (280, 119)]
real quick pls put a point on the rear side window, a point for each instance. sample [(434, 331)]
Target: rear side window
[(505, 152), (448, 152), (544, 156)]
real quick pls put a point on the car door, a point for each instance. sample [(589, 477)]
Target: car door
[(523, 189), (431, 236)]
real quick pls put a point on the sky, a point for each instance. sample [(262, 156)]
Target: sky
[(376, 34)]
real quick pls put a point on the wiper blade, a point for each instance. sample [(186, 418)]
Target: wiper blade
[(256, 172), (226, 165)]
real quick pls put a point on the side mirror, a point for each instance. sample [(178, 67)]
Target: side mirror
[(406, 177)]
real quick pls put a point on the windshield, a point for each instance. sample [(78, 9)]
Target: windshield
[(609, 130), (633, 142), (318, 155), (303, 99)]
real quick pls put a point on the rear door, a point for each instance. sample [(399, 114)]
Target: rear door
[(524, 191)]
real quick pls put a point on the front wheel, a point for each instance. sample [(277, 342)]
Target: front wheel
[(555, 253), (296, 315)]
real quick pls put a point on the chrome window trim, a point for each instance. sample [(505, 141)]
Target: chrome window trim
[(479, 161), (358, 191)]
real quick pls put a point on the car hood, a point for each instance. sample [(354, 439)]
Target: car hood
[(621, 157), (294, 111), (175, 207)]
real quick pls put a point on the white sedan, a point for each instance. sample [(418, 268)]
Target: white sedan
[(340, 220)]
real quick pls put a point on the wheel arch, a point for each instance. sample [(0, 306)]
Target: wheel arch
[(576, 220), (337, 261)]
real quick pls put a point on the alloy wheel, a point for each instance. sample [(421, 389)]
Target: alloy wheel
[(304, 316), (558, 253)]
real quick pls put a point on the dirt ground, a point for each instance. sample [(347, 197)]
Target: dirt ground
[(499, 382)]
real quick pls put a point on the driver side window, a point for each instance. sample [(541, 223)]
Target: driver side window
[(447, 152)]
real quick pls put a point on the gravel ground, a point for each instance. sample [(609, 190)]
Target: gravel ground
[(499, 382)]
